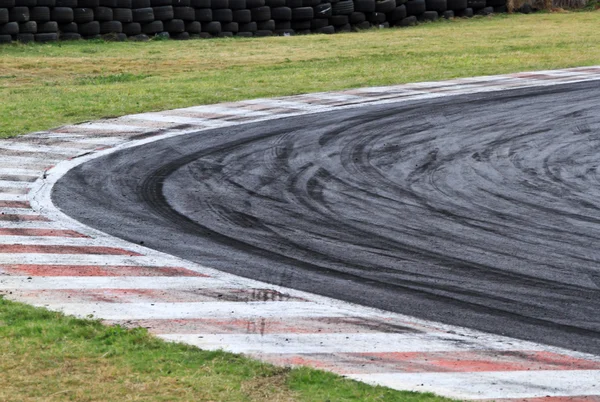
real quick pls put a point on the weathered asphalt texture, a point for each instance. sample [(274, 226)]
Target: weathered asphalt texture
[(481, 211)]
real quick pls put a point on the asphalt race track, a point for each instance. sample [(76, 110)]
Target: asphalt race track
[(481, 211)]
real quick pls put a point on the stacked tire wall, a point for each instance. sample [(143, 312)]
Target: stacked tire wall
[(51, 20)]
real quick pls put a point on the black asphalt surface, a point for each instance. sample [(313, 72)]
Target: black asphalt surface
[(481, 211)]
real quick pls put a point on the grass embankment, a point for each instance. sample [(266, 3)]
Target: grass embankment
[(47, 356), (43, 86)]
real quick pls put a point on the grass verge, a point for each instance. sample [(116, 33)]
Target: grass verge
[(44, 86), (47, 356)]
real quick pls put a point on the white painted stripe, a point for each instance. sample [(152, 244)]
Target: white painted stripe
[(491, 385), (164, 117), (28, 225), (83, 259), (100, 126), (289, 104), (15, 184), (13, 197), (224, 110), (110, 282), (125, 311), (27, 147), (9, 162), (341, 342), (21, 172), (13, 211)]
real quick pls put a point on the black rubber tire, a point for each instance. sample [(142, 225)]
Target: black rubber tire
[(362, 26), (223, 15), (318, 23), (339, 20), (261, 14), (83, 15), (62, 15), (10, 28), (281, 14), (293, 3), (323, 10), (410, 21), (260, 33), (429, 16), (266, 25), (140, 38), (219, 4), (184, 13), (132, 28), (476, 4), (244, 34), (205, 14), (38, 14), (456, 4), (376, 18), (25, 3), (436, 5), (357, 17), (106, 14), (310, 3), (385, 6), (230, 27), (143, 14), (344, 7), (181, 3), (303, 13), (301, 25), (200, 3), (69, 36), (398, 14), (107, 3), (500, 9), (242, 16), (250, 4), (19, 14), (4, 39), (327, 30), (249, 27), (28, 27), (88, 3), (181, 36), (174, 26), (281, 25), (108, 27), (275, 3), (71, 27), (46, 37), (365, 6), (193, 27), (448, 14), (123, 15), (237, 4), (4, 15), (163, 13), (141, 4), (125, 4), (47, 27), (25, 37), (284, 32), (160, 3), (213, 27), (152, 28), (66, 3), (495, 3), (415, 7), (486, 11), (7, 3)]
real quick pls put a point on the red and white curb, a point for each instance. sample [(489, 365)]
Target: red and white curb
[(47, 259)]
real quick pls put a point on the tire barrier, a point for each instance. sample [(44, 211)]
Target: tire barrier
[(51, 20)]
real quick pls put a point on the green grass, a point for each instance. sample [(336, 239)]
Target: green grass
[(44, 86), (47, 356)]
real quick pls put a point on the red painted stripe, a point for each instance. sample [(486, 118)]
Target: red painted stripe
[(436, 362), (150, 295), (95, 270), (40, 232), (24, 249), (23, 218), (15, 204), (292, 325)]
